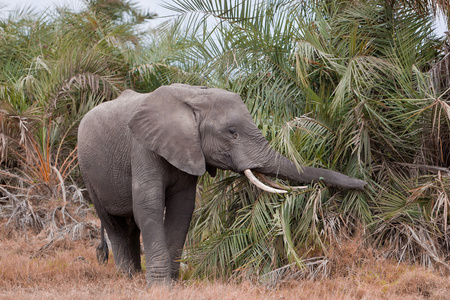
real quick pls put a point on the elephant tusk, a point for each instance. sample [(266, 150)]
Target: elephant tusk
[(277, 185), (261, 185)]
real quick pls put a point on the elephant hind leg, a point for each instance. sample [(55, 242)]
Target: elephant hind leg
[(124, 236)]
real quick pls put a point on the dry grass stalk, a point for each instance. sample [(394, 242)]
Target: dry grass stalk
[(70, 268), (440, 73)]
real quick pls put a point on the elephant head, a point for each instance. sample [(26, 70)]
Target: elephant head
[(197, 129)]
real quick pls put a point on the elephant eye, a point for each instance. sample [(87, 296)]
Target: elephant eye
[(233, 132)]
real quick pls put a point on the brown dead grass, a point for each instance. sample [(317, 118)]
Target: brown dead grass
[(69, 270)]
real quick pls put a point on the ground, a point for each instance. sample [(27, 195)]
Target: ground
[(34, 267)]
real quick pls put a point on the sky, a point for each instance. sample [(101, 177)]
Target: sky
[(152, 5)]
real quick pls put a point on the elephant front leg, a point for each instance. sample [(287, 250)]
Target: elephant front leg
[(180, 203), (148, 210)]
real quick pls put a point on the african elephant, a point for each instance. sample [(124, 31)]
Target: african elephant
[(140, 157)]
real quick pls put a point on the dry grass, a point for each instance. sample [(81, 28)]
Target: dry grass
[(69, 270)]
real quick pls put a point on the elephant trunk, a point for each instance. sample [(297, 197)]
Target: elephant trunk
[(279, 166)]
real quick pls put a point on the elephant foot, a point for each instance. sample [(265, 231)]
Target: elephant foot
[(166, 282), (128, 269), (159, 277)]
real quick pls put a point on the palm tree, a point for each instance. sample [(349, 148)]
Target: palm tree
[(56, 66), (341, 85)]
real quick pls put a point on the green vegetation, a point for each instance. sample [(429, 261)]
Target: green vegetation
[(345, 85)]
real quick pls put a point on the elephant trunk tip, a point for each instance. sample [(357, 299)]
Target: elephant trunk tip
[(355, 184), (336, 179), (362, 185)]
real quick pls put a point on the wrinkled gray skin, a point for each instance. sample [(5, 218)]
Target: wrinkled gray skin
[(140, 157)]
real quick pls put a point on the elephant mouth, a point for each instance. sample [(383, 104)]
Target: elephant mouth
[(268, 185)]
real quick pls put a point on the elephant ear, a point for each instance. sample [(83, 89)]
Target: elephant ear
[(166, 124)]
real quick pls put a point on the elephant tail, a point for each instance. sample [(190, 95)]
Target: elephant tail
[(102, 250)]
